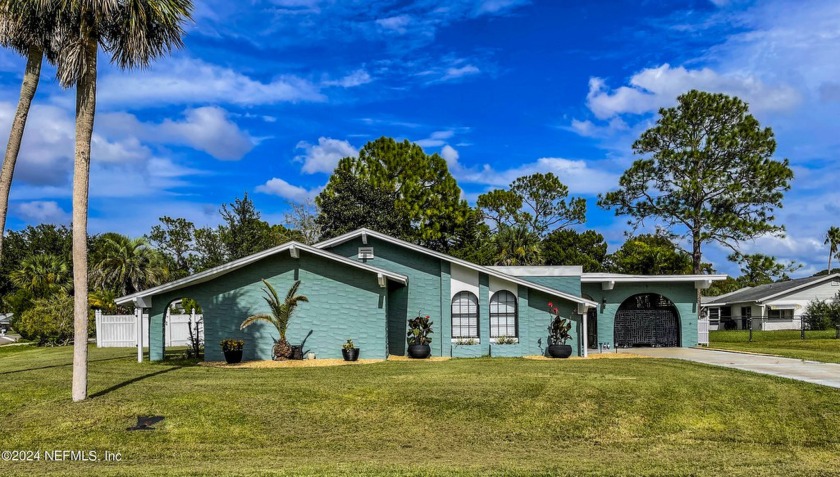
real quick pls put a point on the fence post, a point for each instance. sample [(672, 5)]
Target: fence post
[(98, 318), (138, 318), (802, 329), (749, 325)]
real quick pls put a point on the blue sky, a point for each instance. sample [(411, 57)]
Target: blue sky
[(268, 95)]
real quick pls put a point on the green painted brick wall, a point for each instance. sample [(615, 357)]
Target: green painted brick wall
[(683, 295), (570, 285), (535, 318), (345, 302), (424, 288)]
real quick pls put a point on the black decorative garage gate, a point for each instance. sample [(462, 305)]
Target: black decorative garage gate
[(647, 320)]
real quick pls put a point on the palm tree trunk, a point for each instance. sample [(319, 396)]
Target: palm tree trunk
[(85, 111), (31, 75)]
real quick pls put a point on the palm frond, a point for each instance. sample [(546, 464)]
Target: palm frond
[(255, 318)]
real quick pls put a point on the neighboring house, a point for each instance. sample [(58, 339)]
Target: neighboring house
[(365, 285), (775, 306), (5, 322)]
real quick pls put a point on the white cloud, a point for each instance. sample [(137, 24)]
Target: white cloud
[(576, 174), (283, 189), (496, 6), (41, 212), (436, 139), (459, 72), (324, 156), (653, 88), (193, 81), (356, 78), (450, 155), (397, 24), (207, 129)]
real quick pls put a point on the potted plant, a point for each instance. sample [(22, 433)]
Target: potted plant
[(233, 350), (558, 334), (419, 329), (281, 313), (349, 351)]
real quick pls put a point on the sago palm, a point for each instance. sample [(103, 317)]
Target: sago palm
[(832, 239), (30, 29), (134, 33), (281, 313)]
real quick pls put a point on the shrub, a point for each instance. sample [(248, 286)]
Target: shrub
[(232, 345), (348, 345), (558, 329), (419, 329), (821, 315), (502, 340), (50, 321)]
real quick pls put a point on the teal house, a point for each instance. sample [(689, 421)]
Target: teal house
[(365, 286)]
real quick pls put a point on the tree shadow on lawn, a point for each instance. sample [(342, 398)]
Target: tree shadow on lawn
[(132, 381), (60, 365)]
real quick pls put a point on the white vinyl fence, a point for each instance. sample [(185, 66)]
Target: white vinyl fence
[(703, 331), (120, 331)]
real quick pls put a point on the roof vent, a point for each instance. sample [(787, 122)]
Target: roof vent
[(365, 253)]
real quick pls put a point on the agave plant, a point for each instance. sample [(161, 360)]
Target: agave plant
[(281, 313)]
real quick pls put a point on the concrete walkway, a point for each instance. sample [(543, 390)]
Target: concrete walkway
[(827, 374)]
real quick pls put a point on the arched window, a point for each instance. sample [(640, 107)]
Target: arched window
[(464, 315), (503, 314)]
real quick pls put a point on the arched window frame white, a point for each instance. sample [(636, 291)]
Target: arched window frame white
[(465, 317), (503, 322)]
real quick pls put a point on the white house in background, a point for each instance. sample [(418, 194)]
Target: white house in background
[(775, 306)]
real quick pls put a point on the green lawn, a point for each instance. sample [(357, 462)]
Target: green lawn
[(818, 345), (511, 416)]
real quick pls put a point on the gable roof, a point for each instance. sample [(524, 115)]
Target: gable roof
[(442, 256), (770, 290), (292, 247)]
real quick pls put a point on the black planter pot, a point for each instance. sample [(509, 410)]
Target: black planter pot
[(350, 354), (559, 351), (419, 351), (233, 357), (297, 352)]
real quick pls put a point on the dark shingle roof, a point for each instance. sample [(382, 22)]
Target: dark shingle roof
[(763, 291)]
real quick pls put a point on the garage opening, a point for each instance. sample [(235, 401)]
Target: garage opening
[(647, 319)]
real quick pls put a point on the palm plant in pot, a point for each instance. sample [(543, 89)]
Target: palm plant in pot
[(558, 334), (281, 313), (349, 351), (419, 329), (233, 350)]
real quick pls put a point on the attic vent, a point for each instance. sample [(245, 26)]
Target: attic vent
[(365, 253)]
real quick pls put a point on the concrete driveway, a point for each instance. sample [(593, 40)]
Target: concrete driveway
[(827, 374), (6, 340)]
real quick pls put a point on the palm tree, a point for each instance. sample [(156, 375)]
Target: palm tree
[(516, 245), (42, 275), (134, 32), (127, 265), (832, 239), (31, 30), (281, 313)]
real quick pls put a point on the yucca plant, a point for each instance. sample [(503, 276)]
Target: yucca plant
[(281, 313)]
